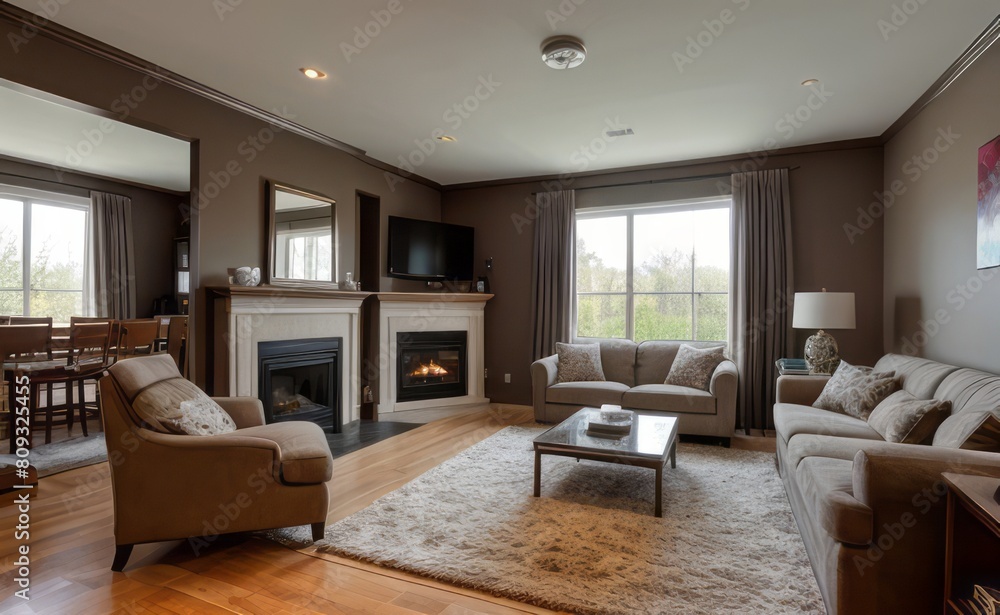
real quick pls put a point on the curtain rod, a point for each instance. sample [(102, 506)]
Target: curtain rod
[(669, 180), (45, 181)]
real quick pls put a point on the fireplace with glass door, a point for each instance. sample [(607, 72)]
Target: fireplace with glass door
[(299, 380), (430, 365)]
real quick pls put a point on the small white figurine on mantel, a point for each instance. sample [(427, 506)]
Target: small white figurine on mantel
[(247, 276)]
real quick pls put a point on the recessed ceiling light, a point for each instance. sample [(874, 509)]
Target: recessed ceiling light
[(312, 73), (560, 52), (810, 82), (447, 138)]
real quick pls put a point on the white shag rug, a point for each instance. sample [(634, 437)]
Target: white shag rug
[(49, 459), (727, 542)]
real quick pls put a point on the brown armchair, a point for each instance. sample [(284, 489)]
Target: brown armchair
[(168, 486)]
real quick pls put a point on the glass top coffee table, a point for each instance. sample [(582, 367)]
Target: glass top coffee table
[(652, 439)]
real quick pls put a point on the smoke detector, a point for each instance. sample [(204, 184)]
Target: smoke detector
[(561, 52)]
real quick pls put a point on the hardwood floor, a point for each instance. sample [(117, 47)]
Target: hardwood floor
[(72, 545)]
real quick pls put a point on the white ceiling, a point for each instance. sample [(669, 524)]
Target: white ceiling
[(66, 138), (404, 82)]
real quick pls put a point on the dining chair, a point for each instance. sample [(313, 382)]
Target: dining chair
[(89, 344), (138, 336), (21, 343), (177, 342), (38, 320), (114, 334), (43, 321)]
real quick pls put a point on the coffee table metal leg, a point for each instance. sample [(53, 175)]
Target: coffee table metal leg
[(659, 491), (673, 454), (538, 473)]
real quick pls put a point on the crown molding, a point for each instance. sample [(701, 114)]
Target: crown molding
[(953, 72), (862, 143)]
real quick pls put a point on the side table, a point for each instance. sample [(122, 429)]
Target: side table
[(972, 547)]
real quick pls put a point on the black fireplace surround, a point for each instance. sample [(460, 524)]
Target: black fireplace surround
[(430, 365), (300, 380)]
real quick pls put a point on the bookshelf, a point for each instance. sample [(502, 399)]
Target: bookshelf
[(972, 543)]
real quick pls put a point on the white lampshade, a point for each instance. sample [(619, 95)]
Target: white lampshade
[(823, 311)]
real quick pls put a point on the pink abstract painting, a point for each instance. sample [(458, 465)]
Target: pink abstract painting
[(988, 215)]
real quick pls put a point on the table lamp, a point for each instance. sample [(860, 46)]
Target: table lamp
[(823, 310)]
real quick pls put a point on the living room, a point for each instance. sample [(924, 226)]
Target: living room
[(882, 203)]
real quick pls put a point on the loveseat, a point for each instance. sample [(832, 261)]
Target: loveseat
[(634, 376), (872, 513)]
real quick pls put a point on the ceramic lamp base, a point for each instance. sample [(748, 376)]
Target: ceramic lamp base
[(822, 354)]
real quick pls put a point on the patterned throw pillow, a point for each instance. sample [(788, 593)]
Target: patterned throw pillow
[(856, 391), (971, 430), (579, 363), (901, 417), (693, 367), (178, 406)]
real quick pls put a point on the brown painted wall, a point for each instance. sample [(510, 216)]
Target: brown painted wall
[(230, 166), (155, 220), (948, 308), (826, 191)]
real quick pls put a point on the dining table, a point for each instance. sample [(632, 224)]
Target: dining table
[(49, 370)]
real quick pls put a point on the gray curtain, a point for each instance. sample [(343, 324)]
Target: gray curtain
[(114, 255), (553, 277), (761, 327)]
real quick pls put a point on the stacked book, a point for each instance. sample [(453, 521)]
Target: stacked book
[(792, 367), (613, 422), (984, 601)]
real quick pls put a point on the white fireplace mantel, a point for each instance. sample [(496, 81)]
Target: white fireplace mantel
[(418, 312), (264, 314)]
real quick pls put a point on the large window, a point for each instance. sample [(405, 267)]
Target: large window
[(659, 272), (43, 254)]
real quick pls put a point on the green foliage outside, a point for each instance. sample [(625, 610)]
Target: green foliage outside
[(657, 316), (45, 278)]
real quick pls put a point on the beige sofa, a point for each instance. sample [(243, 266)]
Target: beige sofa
[(872, 513), (634, 376)]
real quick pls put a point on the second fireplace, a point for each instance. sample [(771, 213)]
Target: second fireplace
[(430, 365)]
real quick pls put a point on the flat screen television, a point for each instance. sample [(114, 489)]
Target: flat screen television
[(423, 250)]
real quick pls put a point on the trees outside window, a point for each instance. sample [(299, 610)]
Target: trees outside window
[(43, 256), (657, 272)]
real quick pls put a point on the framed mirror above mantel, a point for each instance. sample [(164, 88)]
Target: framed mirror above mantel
[(301, 234)]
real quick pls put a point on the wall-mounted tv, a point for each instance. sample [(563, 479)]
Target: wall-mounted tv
[(423, 250)]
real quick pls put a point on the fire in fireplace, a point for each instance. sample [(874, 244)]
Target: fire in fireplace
[(431, 365), (299, 380)]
